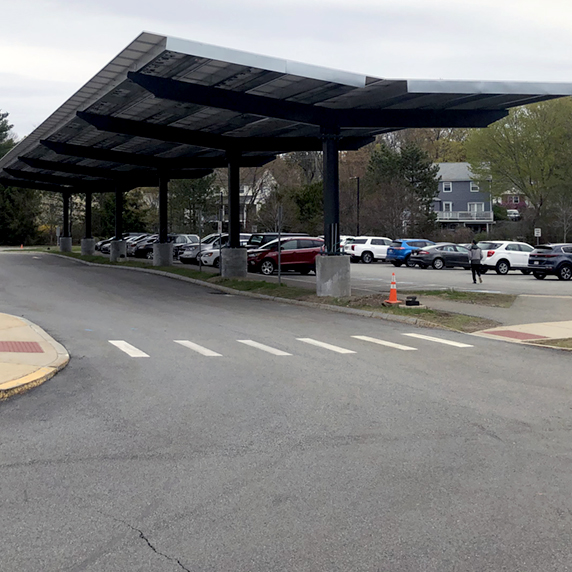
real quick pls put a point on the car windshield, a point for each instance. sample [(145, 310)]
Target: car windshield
[(359, 241), (210, 238), (396, 243), (488, 245)]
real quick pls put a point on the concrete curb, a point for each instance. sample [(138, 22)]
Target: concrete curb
[(340, 309), (43, 373)]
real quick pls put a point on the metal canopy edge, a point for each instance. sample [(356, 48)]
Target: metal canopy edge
[(124, 118)]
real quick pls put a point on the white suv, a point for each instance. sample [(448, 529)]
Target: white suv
[(505, 255), (368, 248)]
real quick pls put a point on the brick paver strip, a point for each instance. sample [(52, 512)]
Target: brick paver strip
[(516, 335), (21, 347)]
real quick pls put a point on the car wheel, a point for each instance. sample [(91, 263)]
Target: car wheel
[(503, 266), (267, 267), (305, 271), (539, 275), (409, 263), (367, 257), (565, 272), (398, 264), (216, 263), (525, 272), (184, 260), (483, 270), (354, 259), (438, 264), (149, 255)]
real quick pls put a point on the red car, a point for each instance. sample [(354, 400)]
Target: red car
[(295, 254)]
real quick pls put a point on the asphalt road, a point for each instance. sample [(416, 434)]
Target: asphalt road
[(437, 458)]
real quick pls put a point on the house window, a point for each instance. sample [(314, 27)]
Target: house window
[(447, 187), (515, 200), (447, 207), (474, 187), (476, 207)]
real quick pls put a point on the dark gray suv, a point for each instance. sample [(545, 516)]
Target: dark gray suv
[(551, 259)]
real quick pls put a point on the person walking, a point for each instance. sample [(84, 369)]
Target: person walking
[(475, 256)]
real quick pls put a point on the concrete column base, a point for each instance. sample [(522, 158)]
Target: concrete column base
[(118, 251), (333, 276), (163, 254), (87, 246), (233, 263), (65, 244)]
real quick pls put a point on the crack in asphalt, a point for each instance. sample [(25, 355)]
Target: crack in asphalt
[(144, 537)]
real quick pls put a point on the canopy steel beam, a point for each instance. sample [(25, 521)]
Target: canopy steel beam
[(55, 179), (149, 177), (210, 140), (24, 184), (123, 158), (186, 92)]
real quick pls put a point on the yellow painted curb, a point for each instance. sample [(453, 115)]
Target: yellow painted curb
[(29, 381)]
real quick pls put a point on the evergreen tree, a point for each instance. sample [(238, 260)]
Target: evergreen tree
[(400, 187)]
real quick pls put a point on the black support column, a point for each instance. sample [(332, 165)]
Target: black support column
[(87, 242), (163, 208), (66, 221), (88, 198), (330, 146), (233, 158), (65, 238), (118, 213)]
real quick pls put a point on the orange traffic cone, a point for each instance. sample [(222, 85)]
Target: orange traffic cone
[(21, 246), (393, 292)]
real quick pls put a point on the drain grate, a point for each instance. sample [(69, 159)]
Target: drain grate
[(21, 347)]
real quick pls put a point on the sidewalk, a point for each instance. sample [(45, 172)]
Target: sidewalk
[(28, 355)]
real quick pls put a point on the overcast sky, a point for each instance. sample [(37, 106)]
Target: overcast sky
[(50, 48)]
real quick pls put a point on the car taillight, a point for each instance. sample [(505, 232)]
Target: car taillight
[(421, 252), (353, 246), (490, 253), (398, 248)]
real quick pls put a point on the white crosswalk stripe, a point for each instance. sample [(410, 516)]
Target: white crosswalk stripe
[(385, 343), (326, 346), (199, 349), (439, 340), (264, 348), (130, 350)]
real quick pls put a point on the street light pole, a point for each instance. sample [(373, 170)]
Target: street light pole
[(357, 205)]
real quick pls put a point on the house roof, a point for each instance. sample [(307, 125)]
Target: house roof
[(454, 171), (166, 104)]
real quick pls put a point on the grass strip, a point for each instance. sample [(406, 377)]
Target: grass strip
[(467, 297)]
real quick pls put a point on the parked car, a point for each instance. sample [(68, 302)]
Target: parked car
[(182, 240), (368, 249), (505, 255), (551, 259), (295, 254), (441, 255), (258, 239), (512, 214), (399, 251), (189, 253), (144, 248), (131, 243), (345, 241)]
